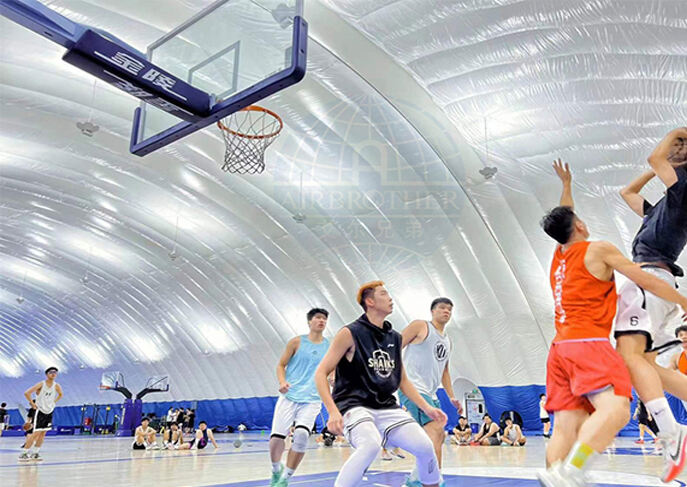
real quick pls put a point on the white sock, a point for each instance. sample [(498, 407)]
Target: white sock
[(414, 475), (663, 415), (288, 472), (276, 466)]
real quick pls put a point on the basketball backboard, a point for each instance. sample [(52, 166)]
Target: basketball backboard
[(111, 380), (228, 56), (157, 383), (238, 51)]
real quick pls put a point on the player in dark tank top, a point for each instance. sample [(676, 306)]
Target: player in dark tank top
[(369, 370)]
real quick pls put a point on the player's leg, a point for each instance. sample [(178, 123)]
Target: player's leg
[(410, 436), (305, 416), (547, 428), (648, 382), (284, 415), (642, 429), (578, 437), (642, 318), (363, 436), (434, 431)]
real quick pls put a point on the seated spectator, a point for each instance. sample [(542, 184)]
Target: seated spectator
[(202, 437), (145, 437), (512, 434), (173, 437), (488, 434), (462, 433)]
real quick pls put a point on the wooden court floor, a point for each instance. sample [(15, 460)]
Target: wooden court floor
[(110, 462)]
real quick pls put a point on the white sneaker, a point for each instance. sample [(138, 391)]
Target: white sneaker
[(154, 446), (674, 454), (24, 457), (559, 476)]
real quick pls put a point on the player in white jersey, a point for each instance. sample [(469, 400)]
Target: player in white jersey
[(427, 351), (48, 392)]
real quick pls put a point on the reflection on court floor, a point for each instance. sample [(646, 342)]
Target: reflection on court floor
[(87, 461)]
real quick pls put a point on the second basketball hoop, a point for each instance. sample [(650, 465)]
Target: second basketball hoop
[(247, 135)]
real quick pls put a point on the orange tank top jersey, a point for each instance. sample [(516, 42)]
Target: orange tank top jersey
[(585, 306), (682, 363)]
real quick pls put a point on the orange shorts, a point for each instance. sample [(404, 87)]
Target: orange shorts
[(576, 369)]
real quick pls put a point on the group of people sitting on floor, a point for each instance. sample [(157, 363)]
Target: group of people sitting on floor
[(172, 437), (489, 434)]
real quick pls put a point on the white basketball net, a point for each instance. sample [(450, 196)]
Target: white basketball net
[(247, 135)]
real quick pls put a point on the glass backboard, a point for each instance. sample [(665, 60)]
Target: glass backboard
[(225, 50)]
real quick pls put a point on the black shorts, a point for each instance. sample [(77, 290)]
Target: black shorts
[(201, 444), (493, 441), (643, 419), (136, 446), (42, 421), (545, 420)]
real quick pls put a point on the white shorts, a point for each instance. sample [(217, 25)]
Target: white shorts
[(287, 412), (385, 420), (641, 312)]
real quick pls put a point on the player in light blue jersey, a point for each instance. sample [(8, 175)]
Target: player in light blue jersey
[(299, 401)]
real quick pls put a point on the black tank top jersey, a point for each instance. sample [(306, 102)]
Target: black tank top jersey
[(663, 234), (372, 377)]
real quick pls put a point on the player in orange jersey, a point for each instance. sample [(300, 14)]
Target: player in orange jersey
[(588, 385)]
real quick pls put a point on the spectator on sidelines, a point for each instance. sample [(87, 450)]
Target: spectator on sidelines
[(462, 433)]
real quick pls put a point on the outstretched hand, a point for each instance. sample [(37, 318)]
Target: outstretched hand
[(563, 171), (457, 404)]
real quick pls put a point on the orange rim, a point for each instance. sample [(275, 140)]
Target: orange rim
[(255, 108)]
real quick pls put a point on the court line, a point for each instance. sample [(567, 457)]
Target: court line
[(131, 459)]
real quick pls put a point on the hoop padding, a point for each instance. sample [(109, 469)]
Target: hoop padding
[(247, 134)]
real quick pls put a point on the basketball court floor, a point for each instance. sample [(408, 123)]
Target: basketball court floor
[(110, 462)]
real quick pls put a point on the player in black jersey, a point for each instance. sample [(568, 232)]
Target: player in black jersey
[(367, 357)]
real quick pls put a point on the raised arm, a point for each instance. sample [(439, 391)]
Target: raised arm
[(617, 261), (564, 174), (290, 350), (341, 345), (630, 193), (660, 158)]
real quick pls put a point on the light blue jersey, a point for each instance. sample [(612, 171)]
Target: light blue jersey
[(300, 371)]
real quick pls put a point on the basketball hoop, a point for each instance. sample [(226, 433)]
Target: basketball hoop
[(103, 388), (247, 135)]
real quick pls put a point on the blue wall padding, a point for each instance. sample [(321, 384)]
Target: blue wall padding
[(256, 412), (523, 399)]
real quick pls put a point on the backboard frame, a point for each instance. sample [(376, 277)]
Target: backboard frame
[(273, 84)]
